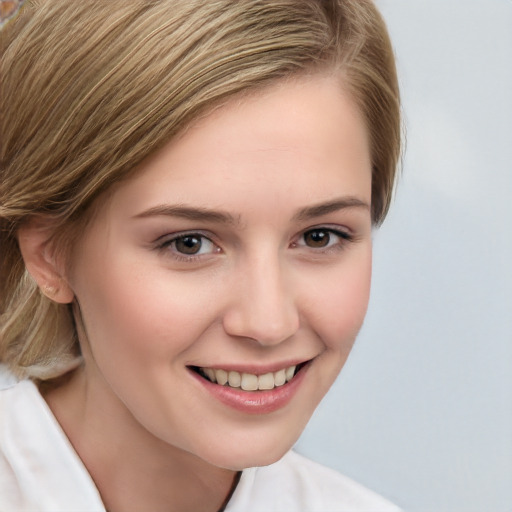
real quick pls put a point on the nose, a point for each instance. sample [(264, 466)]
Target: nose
[(263, 304)]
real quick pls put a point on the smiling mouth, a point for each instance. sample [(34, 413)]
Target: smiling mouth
[(249, 381)]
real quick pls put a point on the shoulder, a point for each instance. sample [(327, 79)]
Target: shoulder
[(297, 484), (39, 470), (19, 401), (7, 379)]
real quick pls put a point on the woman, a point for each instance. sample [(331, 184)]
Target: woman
[(187, 197)]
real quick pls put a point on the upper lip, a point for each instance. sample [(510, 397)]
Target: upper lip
[(255, 369)]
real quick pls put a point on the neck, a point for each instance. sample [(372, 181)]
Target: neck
[(132, 469)]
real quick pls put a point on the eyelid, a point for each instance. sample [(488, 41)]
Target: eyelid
[(342, 231), (164, 242), (345, 234), (339, 230), (170, 237)]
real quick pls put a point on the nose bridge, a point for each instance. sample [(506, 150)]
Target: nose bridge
[(263, 306)]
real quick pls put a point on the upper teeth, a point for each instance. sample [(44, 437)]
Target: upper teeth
[(249, 381)]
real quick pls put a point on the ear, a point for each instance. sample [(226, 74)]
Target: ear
[(39, 255)]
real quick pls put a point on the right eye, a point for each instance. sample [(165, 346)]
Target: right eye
[(189, 245)]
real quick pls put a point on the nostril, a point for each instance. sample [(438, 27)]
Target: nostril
[(262, 308)]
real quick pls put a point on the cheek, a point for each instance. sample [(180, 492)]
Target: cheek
[(135, 314), (344, 303)]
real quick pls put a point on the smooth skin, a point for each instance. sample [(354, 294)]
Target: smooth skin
[(246, 241)]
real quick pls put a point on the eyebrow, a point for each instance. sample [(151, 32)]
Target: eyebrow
[(342, 203), (201, 214), (195, 213)]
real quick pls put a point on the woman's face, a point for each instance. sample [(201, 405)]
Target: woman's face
[(241, 250)]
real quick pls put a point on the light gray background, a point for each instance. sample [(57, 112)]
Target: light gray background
[(422, 412)]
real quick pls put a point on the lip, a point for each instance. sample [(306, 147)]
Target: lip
[(254, 402)]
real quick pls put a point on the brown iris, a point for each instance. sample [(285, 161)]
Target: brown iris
[(317, 238), (189, 244)]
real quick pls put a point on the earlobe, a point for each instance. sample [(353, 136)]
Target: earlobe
[(34, 240)]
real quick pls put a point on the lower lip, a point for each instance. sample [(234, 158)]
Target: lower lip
[(254, 402)]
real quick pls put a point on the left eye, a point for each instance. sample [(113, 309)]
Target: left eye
[(193, 244), (322, 238)]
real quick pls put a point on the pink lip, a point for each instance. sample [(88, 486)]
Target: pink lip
[(254, 402)]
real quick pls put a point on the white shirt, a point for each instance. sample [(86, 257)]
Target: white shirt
[(41, 472)]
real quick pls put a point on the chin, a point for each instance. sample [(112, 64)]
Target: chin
[(242, 455)]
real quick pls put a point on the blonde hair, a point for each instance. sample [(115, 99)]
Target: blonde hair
[(90, 88)]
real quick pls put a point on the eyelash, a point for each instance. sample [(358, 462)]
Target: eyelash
[(167, 243), (164, 243), (343, 236)]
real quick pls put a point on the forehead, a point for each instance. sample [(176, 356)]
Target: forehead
[(299, 139)]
